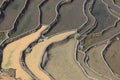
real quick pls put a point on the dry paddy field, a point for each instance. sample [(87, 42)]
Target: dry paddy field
[(97, 63), (35, 56), (12, 53), (61, 63), (11, 13), (112, 56), (30, 20)]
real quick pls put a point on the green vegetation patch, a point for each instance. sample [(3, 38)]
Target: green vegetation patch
[(2, 36), (15, 6), (88, 44), (27, 23), (9, 62)]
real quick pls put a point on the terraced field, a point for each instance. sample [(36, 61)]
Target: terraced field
[(112, 55), (12, 54), (11, 12), (29, 20), (117, 2), (71, 17), (59, 39), (66, 68), (36, 57), (103, 17)]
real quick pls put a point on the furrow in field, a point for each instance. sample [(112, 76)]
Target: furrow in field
[(36, 55), (13, 51)]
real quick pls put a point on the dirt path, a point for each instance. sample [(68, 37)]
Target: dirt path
[(12, 53)]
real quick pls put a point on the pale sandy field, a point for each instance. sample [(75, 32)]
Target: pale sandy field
[(34, 59), (61, 64), (12, 53)]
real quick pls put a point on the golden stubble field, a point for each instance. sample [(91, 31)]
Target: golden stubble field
[(12, 53), (34, 58)]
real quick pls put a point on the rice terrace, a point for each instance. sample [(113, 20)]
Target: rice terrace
[(59, 39)]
